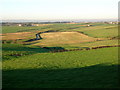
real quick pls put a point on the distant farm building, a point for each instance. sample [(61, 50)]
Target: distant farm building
[(111, 22), (19, 24), (89, 25)]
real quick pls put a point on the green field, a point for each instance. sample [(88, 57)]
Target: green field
[(14, 29), (76, 69), (33, 64), (105, 32)]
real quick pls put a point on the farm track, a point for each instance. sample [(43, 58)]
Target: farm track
[(65, 50)]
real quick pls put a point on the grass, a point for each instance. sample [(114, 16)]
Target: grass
[(76, 69), (55, 59), (97, 30), (90, 44), (104, 31), (58, 38), (14, 29), (56, 27), (10, 51), (31, 64), (96, 76)]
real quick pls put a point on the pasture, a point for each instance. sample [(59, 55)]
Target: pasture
[(60, 38), (31, 63)]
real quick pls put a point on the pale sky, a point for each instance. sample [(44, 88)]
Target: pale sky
[(58, 9)]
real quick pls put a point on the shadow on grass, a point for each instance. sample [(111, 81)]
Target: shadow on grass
[(97, 76), (36, 49), (16, 50)]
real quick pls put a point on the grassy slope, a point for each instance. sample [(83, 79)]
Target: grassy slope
[(68, 69), (65, 59)]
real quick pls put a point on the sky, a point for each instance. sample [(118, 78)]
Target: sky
[(58, 9)]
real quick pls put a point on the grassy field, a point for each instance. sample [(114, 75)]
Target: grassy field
[(30, 63), (77, 69), (14, 29), (90, 44), (60, 38), (96, 32), (104, 32)]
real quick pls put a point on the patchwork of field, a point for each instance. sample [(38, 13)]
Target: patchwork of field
[(64, 34), (31, 63)]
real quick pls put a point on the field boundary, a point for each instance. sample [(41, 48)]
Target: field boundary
[(66, 50)]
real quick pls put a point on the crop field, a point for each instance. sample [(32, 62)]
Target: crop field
[(67, 56)]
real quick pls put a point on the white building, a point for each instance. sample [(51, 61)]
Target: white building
[(19, 25)]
